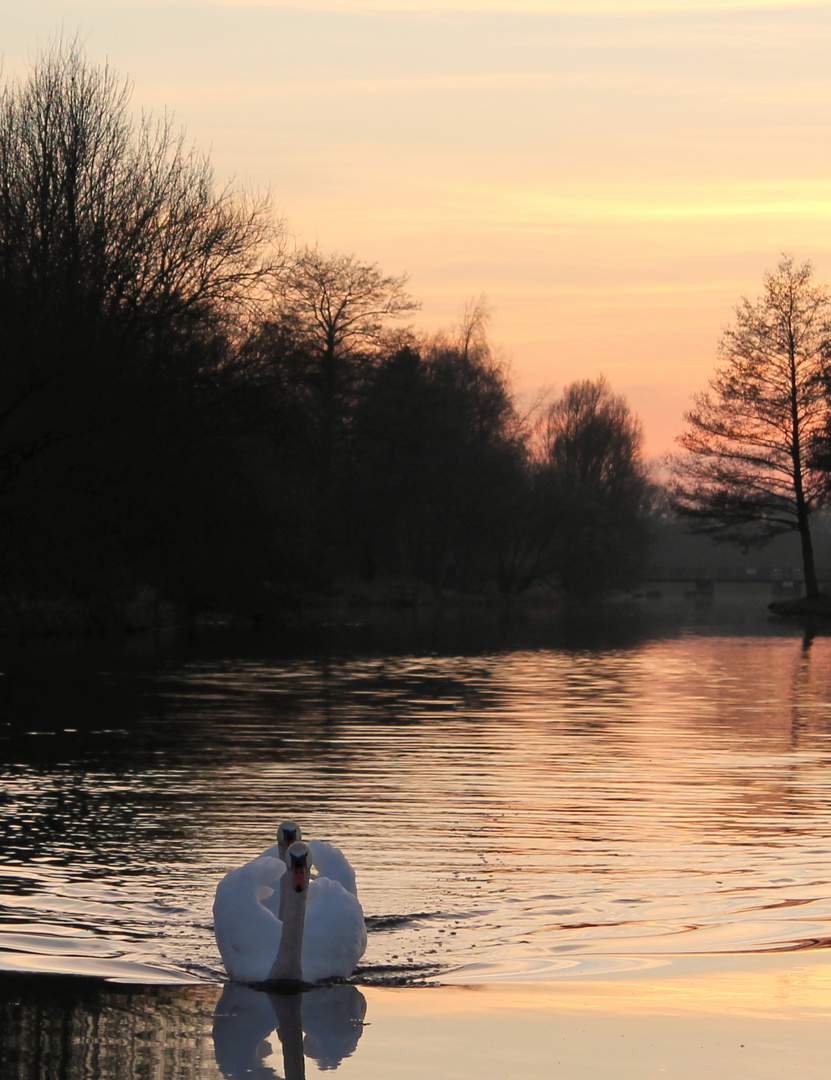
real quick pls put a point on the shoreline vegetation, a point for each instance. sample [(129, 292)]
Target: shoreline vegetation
[(207, 424), (803, 607), (146, 612), (201, 414)]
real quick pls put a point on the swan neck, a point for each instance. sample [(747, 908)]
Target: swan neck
[(288, 965), (284, 891)]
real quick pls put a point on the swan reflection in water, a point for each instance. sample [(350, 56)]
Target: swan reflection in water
[(330, 1017)]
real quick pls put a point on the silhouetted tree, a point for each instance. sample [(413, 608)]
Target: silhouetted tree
[(591, 489), (124, 277), (341, 308), (440, 457), (747, 472), (331, 325)]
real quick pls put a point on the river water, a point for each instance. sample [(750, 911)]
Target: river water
[(615, 800)]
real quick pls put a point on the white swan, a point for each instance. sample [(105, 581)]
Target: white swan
[(329, 861), (321, 936)]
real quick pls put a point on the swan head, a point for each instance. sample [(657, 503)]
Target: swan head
[(288, 832), (299, 863)]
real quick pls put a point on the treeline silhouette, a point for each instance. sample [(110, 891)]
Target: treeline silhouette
[(194, 414)]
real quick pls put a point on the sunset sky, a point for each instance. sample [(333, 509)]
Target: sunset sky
[(611, 176)]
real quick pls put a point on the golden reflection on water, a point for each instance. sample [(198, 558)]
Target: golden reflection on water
[(523, 814), (749, 1018), (772, 987), (751, 1024)]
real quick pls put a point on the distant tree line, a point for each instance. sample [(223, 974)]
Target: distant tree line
[(188, 404)]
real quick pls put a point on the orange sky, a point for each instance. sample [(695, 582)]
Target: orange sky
[(611, 176)]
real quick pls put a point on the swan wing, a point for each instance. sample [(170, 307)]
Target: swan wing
[(247, 933), (334, 937), (330, 862)]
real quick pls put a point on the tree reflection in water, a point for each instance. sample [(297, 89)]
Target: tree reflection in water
[(79, 1029)]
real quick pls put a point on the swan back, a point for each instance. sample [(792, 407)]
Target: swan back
[(330, 862)]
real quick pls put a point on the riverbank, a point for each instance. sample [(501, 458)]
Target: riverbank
[(803, 607), (145, 610), (145, 613)]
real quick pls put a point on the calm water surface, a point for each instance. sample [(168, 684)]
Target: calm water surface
[(523, 804)]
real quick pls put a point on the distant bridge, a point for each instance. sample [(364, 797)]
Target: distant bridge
[(786, 577)]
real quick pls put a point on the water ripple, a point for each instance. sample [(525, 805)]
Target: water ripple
[(524, 813)]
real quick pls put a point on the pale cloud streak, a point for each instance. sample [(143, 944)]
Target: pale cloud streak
[(520, 7)]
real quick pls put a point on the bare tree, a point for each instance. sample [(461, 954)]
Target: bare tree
[(342, 308), (339, 311), (125, 276), (746, 473), (114, 243), (472, 335), (121, 216)]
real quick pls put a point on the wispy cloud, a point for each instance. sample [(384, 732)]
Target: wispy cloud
[(518, 7), (614, 174)]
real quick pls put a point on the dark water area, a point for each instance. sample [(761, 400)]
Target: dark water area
[(80, 1027), (636, 792)]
